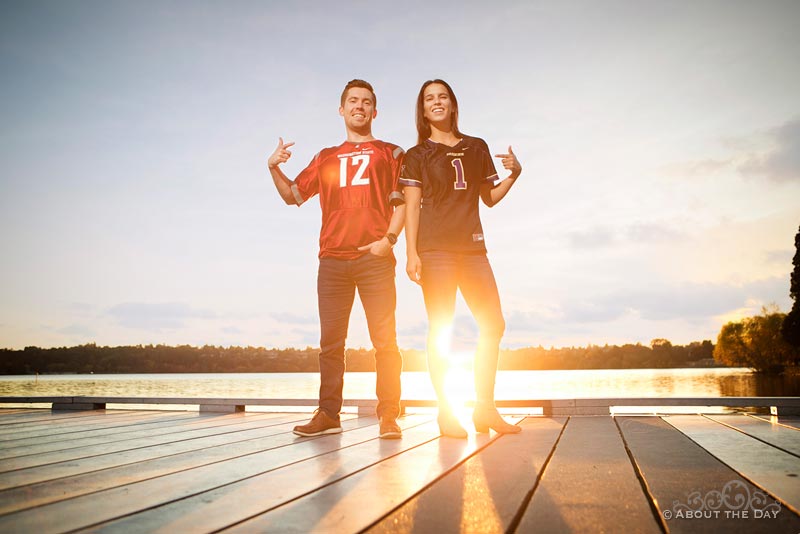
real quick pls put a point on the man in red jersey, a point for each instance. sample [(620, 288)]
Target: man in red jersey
[(362, 213)]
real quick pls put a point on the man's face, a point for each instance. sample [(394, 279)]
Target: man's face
[(358, 109)]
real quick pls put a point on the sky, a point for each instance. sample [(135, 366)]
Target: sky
[(660, 145)]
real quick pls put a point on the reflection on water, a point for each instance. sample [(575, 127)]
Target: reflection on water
[(735, 382), (755, 385)]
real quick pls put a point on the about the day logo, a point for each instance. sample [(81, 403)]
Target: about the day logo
[(735, 501)]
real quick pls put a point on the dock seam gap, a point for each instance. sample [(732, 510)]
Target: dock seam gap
[(752, 436), (515, 521), (651, 500)]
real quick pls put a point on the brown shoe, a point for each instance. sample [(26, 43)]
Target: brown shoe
[(320, 424), (389, 429)]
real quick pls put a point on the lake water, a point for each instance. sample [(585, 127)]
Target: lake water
[(716, 382)]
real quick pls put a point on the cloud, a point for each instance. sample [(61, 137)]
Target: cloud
[(683, 302), (156, 316), (780, 257), (231, 330), (594, 238), (690, 302), (781, 162), (418, 330), (774, 155), (652, 232), (638, 232), (294, 319), (79, 330), (305, 337), (465, 333), (704, 167)]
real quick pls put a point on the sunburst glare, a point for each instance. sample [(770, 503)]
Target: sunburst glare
[(458, 381)]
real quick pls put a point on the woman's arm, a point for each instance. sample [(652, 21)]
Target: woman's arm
[(492, 195), (413, 196)]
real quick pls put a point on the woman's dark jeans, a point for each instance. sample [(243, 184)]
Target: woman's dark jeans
[(443, 273)]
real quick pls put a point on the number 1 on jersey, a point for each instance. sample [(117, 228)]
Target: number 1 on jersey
[(461, 183), (362, 161)]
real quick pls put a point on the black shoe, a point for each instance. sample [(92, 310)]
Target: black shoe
[(320, 424)]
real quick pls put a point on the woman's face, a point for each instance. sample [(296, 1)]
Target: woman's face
[(436, 104)]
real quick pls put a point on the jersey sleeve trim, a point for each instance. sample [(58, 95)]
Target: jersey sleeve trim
[(491, 179), (298, 198), (396, 198), (410, 182)]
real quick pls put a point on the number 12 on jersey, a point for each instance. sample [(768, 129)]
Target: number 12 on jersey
[(461, 182), (362, 160)]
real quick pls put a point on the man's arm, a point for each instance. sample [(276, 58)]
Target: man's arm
[(382, 246), (492, 195), (282, 182)]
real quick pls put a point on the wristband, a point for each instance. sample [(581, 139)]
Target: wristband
[(392, 238)]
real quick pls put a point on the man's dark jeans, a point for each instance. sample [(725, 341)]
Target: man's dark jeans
[(337, 281)]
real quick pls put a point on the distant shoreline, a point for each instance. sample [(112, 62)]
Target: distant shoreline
[(144, 359)]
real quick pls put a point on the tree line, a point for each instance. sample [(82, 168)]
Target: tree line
[(91, 358)]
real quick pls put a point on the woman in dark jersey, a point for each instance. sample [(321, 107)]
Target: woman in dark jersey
[(444, 176)]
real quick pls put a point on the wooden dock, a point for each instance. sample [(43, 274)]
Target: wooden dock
[(186, 472)]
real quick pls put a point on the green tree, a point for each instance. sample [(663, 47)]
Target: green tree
[(791, 324), (662, 352), (756, 342)]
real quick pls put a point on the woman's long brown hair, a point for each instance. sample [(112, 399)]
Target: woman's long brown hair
[(423, 127)]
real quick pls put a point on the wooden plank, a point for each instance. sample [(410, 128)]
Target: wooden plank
[(485, 493), (144, 464), (776, 435), (66, 420), (95, 420), (687, 481), (787, 421), (771, 469), (5, 412), (357, 497), (72, 446), (110, 435), (71, 462), (85, 511), (58, 431), (589, 485), (45, 414)]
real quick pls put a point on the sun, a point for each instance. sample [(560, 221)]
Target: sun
[(458, 382)]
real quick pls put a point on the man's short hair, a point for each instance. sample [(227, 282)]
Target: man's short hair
[(363, 84)]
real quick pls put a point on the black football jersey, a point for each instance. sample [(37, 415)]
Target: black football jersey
[(451, 179)]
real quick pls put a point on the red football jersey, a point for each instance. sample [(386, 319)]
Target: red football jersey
[(357, 185)]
